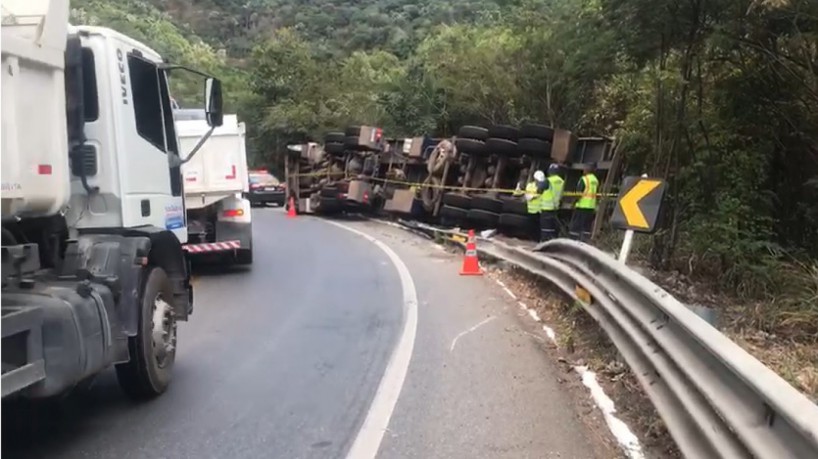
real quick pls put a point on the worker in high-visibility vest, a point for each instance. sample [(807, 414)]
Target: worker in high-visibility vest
[(550, 204), (533, 191), (585, 208)]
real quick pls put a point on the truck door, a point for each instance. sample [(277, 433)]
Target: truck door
[(152, 180)]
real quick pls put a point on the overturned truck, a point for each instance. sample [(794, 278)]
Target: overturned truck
[(468, 180), (336, 176)]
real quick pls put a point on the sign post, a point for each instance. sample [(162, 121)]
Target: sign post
[(637, 209)]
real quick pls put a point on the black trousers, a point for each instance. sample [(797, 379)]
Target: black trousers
[(534, 226), (582, 223), (549, 226)]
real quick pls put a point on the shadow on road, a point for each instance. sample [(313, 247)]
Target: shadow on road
[(32, 429)]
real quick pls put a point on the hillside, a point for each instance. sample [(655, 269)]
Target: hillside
[(168, 36), (334, 25)]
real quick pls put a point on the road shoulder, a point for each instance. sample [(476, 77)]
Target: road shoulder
[(482, 381)]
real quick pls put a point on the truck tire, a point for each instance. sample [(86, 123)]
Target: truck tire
[(520, 222), (502, 131), (148, 372), (488, 203), (535, 147), (473, 132), (483, 218), (334, 137), (517, 206), (537, 131), (502, 147), (453, 215), (457, 200), (335, 148), (470, 146)]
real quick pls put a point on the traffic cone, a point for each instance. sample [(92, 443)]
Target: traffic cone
[(470, 265), (291, 208)]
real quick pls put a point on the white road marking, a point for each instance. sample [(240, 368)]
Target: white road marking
[(464, 332), (551, 334), (534, 315), (624, 436), (368, 441), (508, 290)]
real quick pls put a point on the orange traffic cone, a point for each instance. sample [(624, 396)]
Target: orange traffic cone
[(291, 208), (470, 265)]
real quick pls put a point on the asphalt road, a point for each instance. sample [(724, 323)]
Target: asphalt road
[(284, 360)]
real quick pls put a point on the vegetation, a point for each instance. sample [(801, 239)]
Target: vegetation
[(718, 96)]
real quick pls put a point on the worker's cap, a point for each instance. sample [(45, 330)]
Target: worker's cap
[(553, 168), (539, 176)]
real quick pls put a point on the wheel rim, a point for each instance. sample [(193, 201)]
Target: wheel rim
[(163, 326)]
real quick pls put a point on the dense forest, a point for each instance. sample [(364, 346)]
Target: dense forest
[(720, 97)]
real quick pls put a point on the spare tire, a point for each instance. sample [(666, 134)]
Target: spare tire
[(535, 147), (334, 137), (473, 132), (503, 131), (503, 147), (537, 131), (470, 146), (488, 203)]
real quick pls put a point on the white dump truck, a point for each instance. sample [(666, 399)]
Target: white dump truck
[(93, 219), (218, 216)]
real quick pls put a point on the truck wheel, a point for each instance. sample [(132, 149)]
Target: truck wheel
[(244, 256), (153, 349)]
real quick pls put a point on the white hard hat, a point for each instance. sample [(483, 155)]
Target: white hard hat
[(539, 176)]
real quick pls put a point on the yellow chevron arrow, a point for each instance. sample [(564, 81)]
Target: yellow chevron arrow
[(630, 202)]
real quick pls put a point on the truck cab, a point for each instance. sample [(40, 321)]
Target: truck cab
[(93, 216)]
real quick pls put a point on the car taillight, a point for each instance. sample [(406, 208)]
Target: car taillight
[(366, 197), (254, 186), (233, 212)]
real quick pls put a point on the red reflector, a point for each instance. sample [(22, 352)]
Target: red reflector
[(232, 173), (233, 212), (44, 169), (366, 197)]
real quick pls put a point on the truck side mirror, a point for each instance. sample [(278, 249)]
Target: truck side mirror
[(213, 102)]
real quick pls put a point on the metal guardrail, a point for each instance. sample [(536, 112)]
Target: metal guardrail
[(715, 398)]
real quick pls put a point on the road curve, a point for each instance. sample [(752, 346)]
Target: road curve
[(279, 361), (285, 360)]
